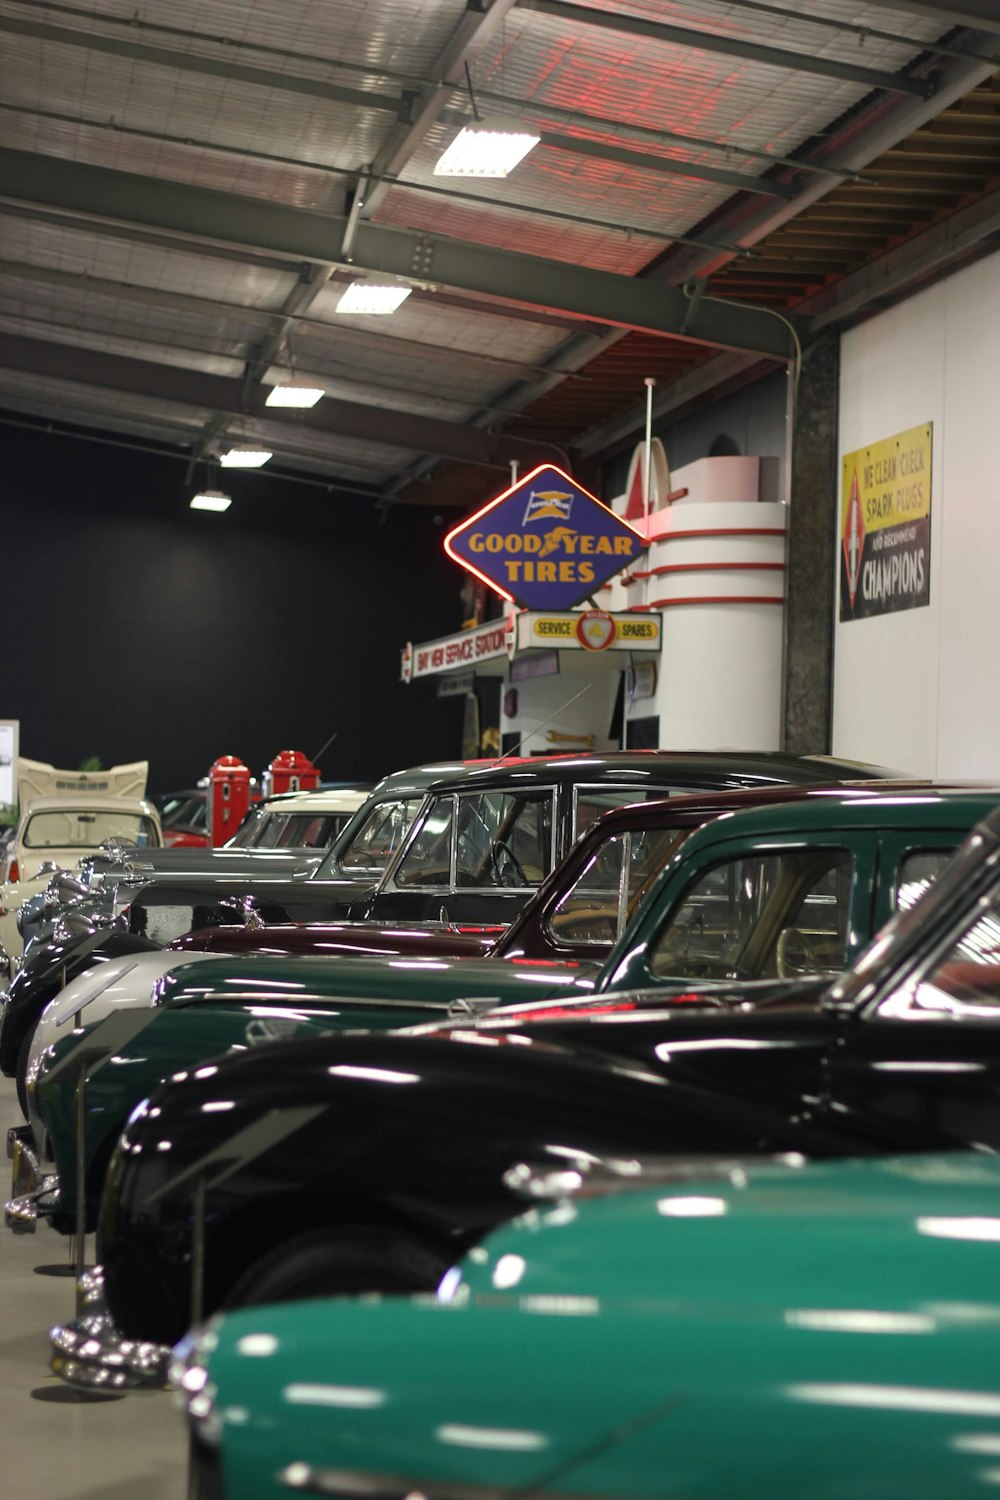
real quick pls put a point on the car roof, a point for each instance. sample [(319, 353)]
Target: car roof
[(341, 799), (900, 805), (733, 768)]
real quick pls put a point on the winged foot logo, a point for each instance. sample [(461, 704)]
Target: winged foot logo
[(543, 503)]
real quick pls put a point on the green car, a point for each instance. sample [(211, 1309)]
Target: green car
[(774, 893), (830, 1332)]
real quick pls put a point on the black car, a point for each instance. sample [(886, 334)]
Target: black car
[(451, 844), (373, 1162)]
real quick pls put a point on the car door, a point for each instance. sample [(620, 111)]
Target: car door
[(787, 908), (475, 858), (922, 1060)]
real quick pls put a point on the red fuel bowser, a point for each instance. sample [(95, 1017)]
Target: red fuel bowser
[(291, 771), (228, 797)]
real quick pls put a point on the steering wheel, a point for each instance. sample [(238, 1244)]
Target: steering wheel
[(498, 846), (795, 936)]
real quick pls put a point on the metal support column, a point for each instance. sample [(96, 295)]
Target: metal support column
[(811, 561)]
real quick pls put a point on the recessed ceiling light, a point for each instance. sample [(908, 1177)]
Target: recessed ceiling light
[(294, 393), (490, 147), (372, 297), (211, 500), (245, 458)]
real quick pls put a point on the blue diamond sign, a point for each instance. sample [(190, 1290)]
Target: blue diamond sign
[(546, 543)]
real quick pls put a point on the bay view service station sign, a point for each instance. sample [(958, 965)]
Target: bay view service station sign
[(489, 649), (545, 543)]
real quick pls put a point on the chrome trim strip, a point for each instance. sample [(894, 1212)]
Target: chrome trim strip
[(589, 1179)]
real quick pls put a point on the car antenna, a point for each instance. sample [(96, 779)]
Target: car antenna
[(323, 748), (515, 748)]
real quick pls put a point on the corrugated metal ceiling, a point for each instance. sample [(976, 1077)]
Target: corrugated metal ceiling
[(663, 122)]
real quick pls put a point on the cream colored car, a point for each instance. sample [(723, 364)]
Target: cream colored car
[(64, 815)]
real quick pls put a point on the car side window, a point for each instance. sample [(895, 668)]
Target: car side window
[(781, 915), (597, 908), (917, 868), (427, 861), (964, 982), (504, 839)]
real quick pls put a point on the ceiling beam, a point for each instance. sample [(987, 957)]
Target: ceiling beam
[(855, 28), (222, 395), (185, 61), (581, 145), (980, 14), (402, 141), (874, 128), (908, 265), (732, 46), (367, 183), (304, 235), (477, 24)]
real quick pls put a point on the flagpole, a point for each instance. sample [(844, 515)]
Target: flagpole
[(648, 456)]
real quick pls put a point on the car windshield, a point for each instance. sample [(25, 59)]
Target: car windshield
[(300, 830), (87, 828), (600, 903), (181, 810), (375, 839)]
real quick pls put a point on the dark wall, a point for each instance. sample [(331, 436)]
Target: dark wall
[(136, 627)]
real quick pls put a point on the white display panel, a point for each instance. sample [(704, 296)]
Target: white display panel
[(916, 690), (9, 732)]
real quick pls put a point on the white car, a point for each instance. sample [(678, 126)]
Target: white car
[(64, 815), (298, 820)]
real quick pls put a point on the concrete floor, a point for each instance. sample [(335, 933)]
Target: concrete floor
[(57, 1444)]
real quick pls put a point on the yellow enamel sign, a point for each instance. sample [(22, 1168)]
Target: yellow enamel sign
[(885, 525)]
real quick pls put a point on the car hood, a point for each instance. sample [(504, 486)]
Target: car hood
[(328, 938), (832, 1311), (438, 979), (219, 862)]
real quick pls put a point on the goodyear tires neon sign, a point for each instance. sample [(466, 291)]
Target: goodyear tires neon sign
[(545, 543)]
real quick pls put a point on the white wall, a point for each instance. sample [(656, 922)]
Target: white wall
[(919, 689)]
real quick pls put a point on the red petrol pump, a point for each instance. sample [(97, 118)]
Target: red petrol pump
[(291, 771), (228, 797)]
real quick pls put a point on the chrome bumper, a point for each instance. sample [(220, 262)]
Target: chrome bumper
[(34, 1193), (91, 1354)]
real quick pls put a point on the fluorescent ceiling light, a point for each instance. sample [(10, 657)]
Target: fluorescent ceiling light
[(245, 458), (211, 500), (490, 147), (294, 393), (372, 297)]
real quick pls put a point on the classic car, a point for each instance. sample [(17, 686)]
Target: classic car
[(299, 820), (288, 825), (376, 1151), (85, 909), (742, 882), (63, 815), (707, 1336), (183, 815), (482, 815)]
